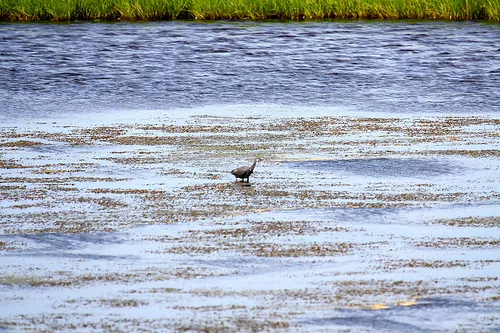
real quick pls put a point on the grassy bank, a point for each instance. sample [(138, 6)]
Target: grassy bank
[(150, 10)]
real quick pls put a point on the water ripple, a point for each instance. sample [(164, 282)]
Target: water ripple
[(402, 67)]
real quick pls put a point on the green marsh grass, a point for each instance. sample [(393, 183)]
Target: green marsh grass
[(153, 10)]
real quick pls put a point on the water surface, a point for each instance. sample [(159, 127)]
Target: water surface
[(403, 67)]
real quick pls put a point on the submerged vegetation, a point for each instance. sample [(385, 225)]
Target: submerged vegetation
[(151, 10), (347, 217)]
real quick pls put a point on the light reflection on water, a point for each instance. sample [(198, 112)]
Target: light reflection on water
[(405, 67), (439, 314)]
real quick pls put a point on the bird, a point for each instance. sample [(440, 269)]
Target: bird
[(245, 171)]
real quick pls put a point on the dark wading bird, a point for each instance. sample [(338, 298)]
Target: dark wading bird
[(244, 171)]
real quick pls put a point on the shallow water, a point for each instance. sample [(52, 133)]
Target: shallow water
[(382, 167), (438, 314), (403, 67), (146, 228)]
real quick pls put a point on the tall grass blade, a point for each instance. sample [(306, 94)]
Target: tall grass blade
[(152, 10)]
